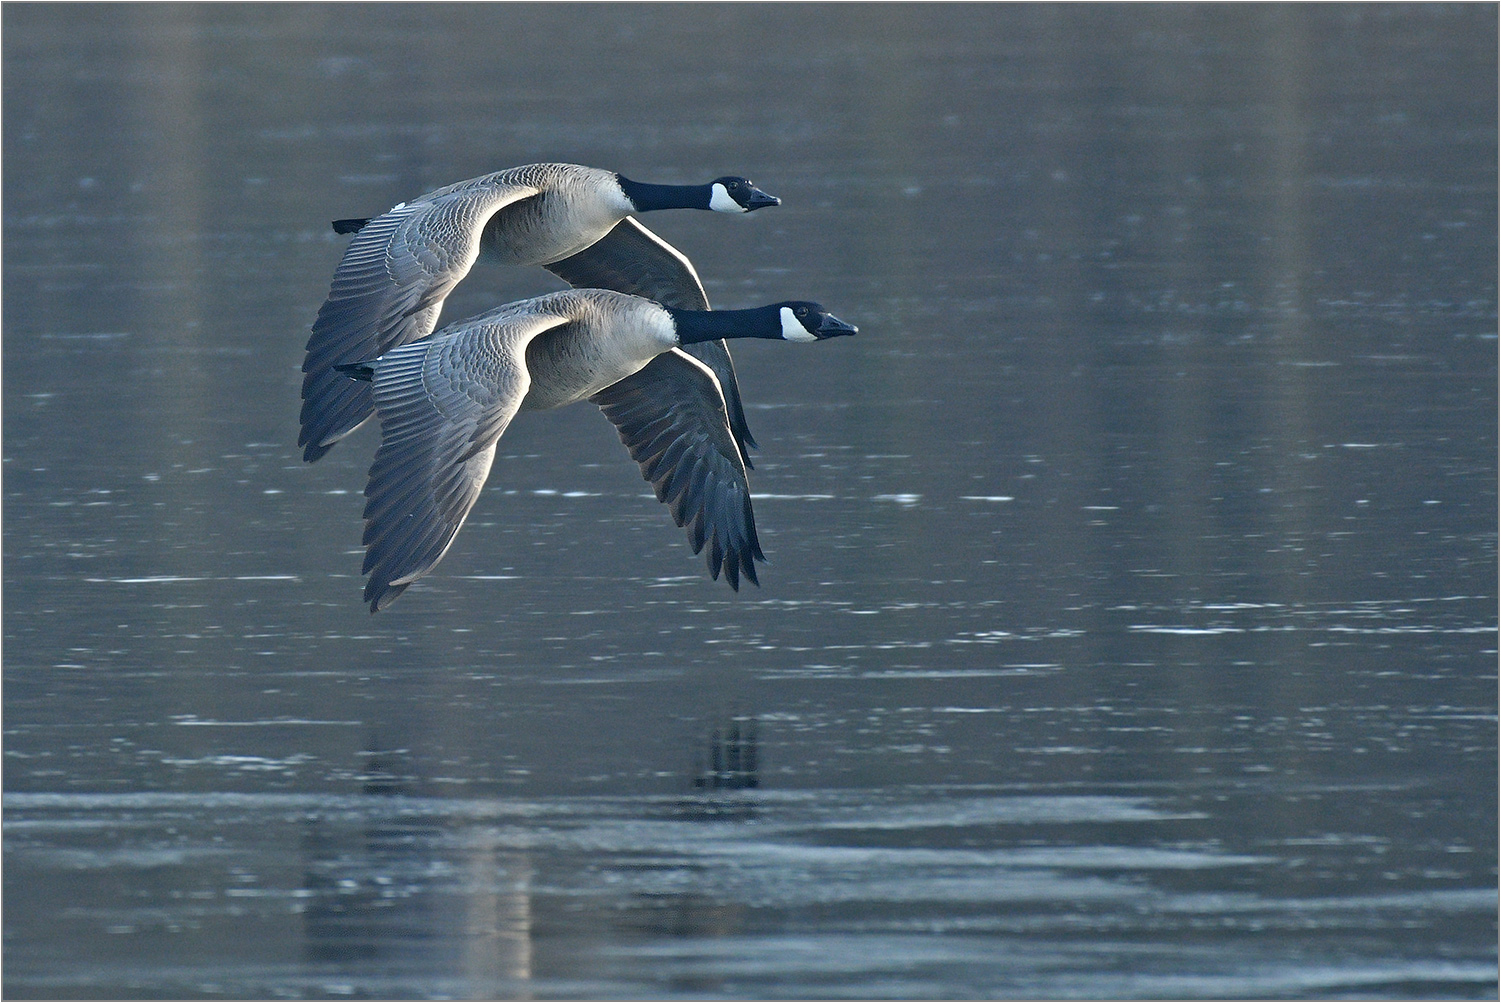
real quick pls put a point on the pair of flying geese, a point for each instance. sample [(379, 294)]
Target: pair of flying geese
[(635, 336)]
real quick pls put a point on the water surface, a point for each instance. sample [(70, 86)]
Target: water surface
[(1130, 626)]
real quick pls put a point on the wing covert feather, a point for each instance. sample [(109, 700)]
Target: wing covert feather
[(443, 403)]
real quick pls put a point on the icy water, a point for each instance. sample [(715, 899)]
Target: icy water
[(1130, 626)]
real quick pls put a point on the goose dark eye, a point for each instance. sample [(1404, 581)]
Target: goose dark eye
[(802, 311)]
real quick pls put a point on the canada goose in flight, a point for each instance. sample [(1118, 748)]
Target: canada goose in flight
[(443, 403), (389, 288)]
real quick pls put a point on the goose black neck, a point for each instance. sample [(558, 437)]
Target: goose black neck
[(646, 197), (694, 326)]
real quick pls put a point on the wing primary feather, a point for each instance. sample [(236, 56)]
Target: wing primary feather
[(672, 418)]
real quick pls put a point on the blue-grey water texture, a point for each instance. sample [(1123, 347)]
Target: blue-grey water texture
[(1130, 627)]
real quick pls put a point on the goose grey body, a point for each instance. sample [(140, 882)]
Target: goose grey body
[(444, 402), (390, 286)]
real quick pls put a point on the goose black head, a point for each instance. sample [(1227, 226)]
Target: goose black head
[(732, 194), (804, 321), (727, 194), (794, 320)]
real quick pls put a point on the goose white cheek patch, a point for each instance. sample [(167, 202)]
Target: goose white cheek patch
[(720, 201), (792, 330)]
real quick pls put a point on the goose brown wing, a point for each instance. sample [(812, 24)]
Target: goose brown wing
[(632, 259), (671, 416), (388, 291), (443, 403)]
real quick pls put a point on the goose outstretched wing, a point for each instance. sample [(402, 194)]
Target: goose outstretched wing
[(388, 291), (671, 417), (632, 259), (443, 404)]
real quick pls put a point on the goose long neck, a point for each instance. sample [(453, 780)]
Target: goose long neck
[(694, 326), (648, 197)]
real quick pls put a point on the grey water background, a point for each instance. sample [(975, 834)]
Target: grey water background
[(1130, 627)]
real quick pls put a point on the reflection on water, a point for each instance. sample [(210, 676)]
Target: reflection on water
[(402, 892), (730, 763), (818, 893), (1130, 626)]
